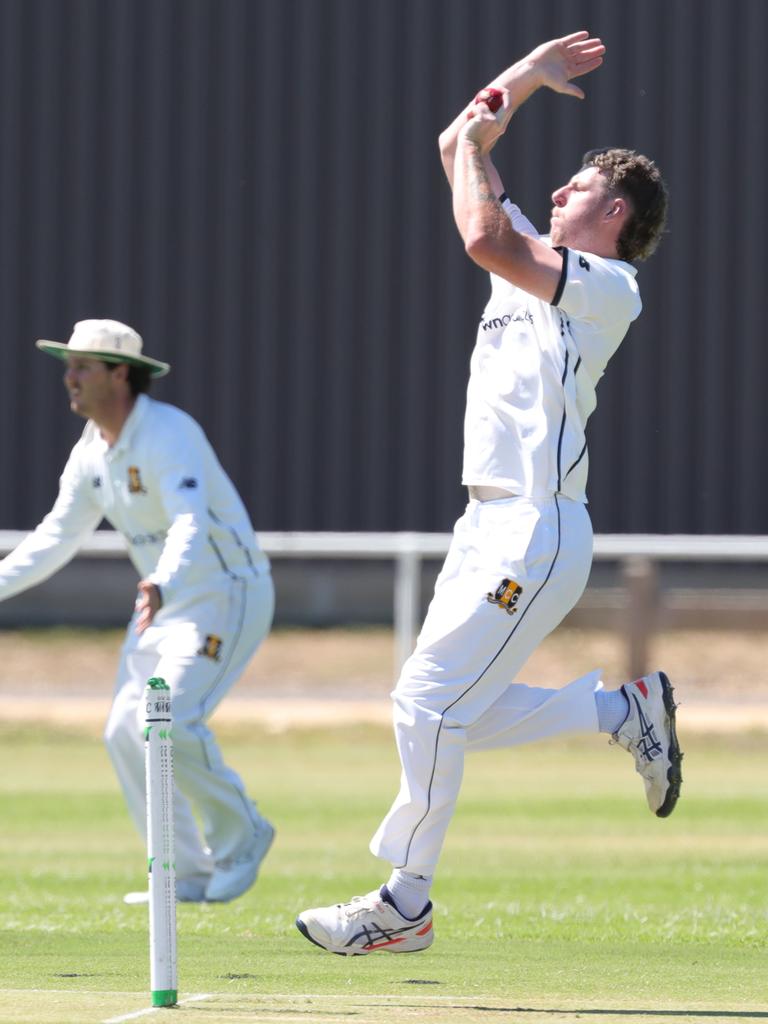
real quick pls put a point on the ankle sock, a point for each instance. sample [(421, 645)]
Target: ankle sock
[(409, 893), (612, 709)]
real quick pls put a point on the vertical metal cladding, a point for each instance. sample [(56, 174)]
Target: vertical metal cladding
[(255, 185)]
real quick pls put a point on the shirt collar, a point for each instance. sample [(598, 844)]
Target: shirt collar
[(133, 422), (590, 255)]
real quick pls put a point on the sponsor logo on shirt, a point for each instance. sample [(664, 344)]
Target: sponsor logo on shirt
[(135, 486), (96, 482), (188, 483), (506, 596), (497, 323), (583, 263), (212, 647)]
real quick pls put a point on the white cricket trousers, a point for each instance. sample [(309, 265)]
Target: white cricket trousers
[(200, 650), (455, 692)]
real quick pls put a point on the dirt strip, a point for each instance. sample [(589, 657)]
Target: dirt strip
[(281, 714), (302, 679)]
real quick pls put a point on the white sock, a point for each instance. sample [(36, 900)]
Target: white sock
[(409, 892), (612, 709)]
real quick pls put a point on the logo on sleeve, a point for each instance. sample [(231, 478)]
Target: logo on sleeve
[(212, 647), (96, 482), (506, 596), (188, 483), (583, 263), (135, 486)]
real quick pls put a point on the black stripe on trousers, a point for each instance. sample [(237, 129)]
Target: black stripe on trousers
[(473, 684), (244, 597)]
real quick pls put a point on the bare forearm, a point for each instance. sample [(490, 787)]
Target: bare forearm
[(476, 208), (552, 64), (490, 240), (520, 79)]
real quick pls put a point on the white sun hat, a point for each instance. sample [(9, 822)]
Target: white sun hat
[(108, 340)]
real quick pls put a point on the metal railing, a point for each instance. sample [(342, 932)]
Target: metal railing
[(638, 555)]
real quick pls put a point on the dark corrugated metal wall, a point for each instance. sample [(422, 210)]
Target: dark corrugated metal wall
[(254, 184)]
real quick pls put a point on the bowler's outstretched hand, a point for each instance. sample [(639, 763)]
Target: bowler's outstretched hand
[(555, 63), (551, 65)]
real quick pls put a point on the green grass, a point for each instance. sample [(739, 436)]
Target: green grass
[(558, 896)]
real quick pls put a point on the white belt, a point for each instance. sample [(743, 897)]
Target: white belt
[(478, 493)]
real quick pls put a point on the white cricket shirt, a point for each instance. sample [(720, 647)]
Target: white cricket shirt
[(534, 370), (163, 488)]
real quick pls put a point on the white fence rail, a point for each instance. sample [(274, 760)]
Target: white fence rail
[(638, 555)]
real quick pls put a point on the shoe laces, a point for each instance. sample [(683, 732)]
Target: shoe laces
[(360, 905)]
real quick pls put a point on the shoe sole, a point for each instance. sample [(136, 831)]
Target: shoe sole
[(674, 772), (351, 952), (305, 932)]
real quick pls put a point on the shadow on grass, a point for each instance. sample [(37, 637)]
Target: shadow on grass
[(737, 1014)]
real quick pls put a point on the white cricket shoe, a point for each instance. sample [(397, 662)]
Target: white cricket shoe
[(365, 925), (232, 877), (648, 733)]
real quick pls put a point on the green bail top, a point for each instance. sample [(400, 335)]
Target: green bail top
[(156, 683)]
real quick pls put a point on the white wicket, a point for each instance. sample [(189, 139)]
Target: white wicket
[(160, 845)]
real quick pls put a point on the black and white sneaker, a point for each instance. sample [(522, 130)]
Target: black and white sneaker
[(648, 733)]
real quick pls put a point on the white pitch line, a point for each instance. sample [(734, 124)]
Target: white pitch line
[(154, 1009)]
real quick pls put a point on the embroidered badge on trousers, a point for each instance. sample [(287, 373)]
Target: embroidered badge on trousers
[(212, 647), (135, 486), (506, 596)]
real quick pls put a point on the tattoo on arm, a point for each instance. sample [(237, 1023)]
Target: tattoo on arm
[(479, 186)]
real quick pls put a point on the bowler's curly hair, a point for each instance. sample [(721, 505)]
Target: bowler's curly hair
[(638, 180)]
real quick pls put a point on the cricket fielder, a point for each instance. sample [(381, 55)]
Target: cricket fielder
[(205, 596)]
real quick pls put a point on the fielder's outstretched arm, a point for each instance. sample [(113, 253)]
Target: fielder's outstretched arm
[(55, 541), (552, 64)]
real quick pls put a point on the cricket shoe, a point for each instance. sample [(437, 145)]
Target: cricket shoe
[(235, 875), (188, 890), (365, 925), (648, 733)]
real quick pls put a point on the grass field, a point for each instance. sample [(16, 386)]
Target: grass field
[(559, 897)]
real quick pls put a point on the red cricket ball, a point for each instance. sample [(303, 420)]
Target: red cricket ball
[(493, 98)]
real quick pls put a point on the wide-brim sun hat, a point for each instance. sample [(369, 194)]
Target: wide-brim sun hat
[(107, 340)]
